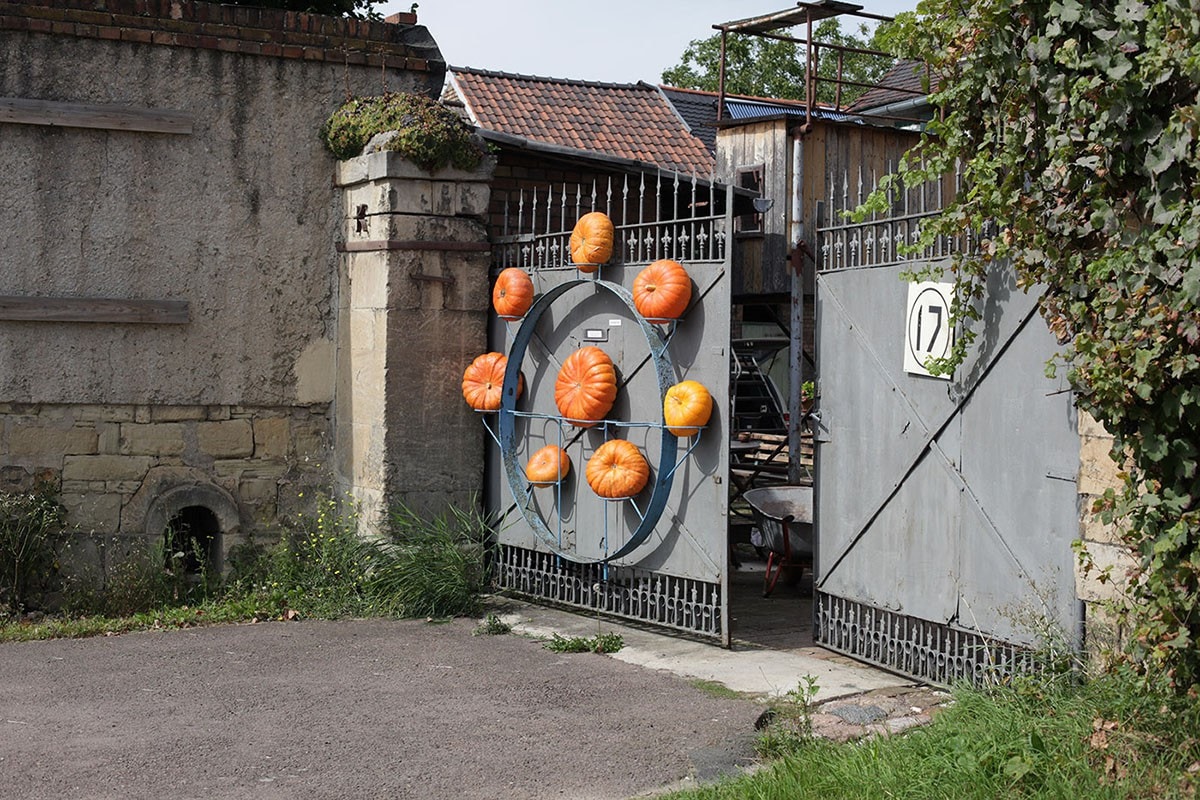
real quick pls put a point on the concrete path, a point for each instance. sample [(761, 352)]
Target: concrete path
[(751, 670)]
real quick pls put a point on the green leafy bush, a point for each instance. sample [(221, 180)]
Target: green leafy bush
[(428, 134), (29, 524)]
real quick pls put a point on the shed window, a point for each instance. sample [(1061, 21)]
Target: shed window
[(750, 178)]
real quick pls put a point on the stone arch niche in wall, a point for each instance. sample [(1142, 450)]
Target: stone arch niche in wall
[(194, 517)]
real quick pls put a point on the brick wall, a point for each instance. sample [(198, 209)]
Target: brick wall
[(238, 29)]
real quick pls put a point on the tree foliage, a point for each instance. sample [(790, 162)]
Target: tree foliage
[(1078, 129), (762, 67)]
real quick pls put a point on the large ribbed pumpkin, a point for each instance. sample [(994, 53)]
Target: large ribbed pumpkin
[(548, 466), (617, 470), (662, 291), (483, 381), (592, 241), (586, 387), (513, 294), (686, 408)]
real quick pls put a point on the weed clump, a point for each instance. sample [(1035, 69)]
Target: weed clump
[(30, 523), (600, 643)]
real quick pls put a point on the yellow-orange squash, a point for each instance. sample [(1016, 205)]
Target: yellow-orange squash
[(484, 379), (592, 241), (548, 466), (586, 387), (513, 293), (686, 408), (662, 291), (617, 469)]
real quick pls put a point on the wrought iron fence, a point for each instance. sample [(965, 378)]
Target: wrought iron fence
[(884, 238), (657, 215)]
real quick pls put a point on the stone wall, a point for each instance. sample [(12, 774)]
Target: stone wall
[(169, 276), (1097, 473), (124, 470)]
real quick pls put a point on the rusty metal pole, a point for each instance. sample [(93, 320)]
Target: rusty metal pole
[(808, 71), (721, 80)]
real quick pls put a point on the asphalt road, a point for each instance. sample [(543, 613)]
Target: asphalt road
[(357, 709)]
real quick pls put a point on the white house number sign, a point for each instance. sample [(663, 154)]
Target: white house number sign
[(929, 331)]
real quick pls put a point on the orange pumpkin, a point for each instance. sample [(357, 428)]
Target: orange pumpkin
[(548, 466), (484, 379), (686, 408), (513, 293), (662, 291), (617, 470), (592, 241), (586, 387)]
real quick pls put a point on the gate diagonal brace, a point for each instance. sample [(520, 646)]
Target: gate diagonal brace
[(929, 444)]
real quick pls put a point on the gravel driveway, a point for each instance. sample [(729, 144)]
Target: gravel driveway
[(358, 709)]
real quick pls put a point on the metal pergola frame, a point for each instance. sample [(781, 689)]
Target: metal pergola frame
[(805, 13)]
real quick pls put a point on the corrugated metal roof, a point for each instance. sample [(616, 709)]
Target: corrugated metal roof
[(753, 109)]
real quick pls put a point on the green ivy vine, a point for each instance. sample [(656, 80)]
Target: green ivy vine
[(1077, 126)]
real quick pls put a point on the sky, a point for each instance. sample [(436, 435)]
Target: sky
[(618, 41)]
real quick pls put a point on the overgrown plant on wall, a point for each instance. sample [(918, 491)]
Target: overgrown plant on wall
[(428, 134), (1078, 129)]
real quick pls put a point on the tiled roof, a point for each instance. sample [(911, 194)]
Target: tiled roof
[(631, 121), (699, 111), (902, 82)]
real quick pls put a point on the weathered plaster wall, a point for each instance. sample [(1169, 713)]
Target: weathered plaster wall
[(237, 219)]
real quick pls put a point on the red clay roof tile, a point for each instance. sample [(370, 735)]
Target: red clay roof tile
[(626, 120)]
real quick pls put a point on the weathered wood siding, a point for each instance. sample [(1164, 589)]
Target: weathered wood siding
[(759, 259), (848, 160)]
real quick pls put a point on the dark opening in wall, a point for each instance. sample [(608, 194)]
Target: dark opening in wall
[(196, 533)]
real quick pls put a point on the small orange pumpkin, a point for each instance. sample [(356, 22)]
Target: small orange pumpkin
[(586, 387), (592, 241), (686, 408), (548, 466), (513, 293), (662, 291), (483, 381), (617, 470)]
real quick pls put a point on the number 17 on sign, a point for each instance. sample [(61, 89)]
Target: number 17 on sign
[(928, 330)]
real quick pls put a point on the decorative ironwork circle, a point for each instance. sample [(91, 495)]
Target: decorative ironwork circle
[(664, 371)]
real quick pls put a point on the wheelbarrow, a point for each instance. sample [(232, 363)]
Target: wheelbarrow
[(784, 516)]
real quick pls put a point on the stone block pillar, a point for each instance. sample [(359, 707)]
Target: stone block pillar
[(413, 306), (1103, 599)]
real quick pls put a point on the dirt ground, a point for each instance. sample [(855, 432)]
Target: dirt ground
[(359, 709)]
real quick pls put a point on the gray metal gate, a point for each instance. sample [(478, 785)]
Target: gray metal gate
[(661, 557), (945, 508)]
